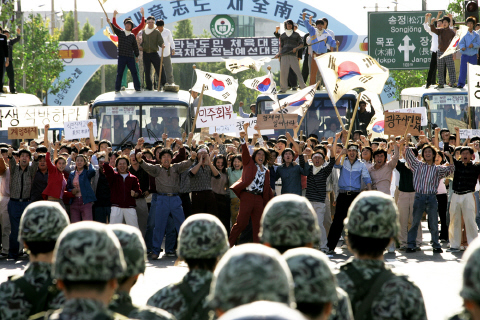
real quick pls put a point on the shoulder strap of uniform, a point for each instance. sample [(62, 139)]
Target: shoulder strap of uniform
[(38, 298), (193, 299), (364, 311)]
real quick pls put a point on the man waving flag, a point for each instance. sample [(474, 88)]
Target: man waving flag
[(218, 86), (344, 71)]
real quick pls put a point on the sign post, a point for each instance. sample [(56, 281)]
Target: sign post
[(398, 40)]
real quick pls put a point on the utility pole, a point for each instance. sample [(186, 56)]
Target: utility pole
[(52, 17), (376, 7), (103, 66), (75, 22), (424, 5), (22, 39)]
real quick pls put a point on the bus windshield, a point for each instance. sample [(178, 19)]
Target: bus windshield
[(321, 118), (448, 111), (121, 124)]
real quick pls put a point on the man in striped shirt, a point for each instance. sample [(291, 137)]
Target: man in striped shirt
[(426, 177), (317, 175)]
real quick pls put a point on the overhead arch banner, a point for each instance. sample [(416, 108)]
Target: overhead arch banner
[(88, 56)]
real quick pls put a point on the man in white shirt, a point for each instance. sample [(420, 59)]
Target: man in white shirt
[(167, 70), (431, 79)]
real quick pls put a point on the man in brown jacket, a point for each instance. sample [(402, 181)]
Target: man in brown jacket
[(152, 40), (445, 36)]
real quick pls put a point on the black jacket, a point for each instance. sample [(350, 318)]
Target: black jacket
[(3, 46), (127, 45)]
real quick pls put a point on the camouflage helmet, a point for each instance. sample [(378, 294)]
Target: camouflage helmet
[(88, 251), (373, 214), (265, 310), (133, 247), (202, 236), (289, 220), (248, 273), (42, 221), (471, 272), (313, 279)]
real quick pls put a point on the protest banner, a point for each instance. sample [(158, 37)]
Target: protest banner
[(469, 133), (234, 127), (396, 123), (452, 123), (22, 133), (277, 121), (40, 116), (215, 116), (79, 129), (421, 110)]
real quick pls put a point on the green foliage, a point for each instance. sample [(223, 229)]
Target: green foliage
[(93, 88), (68, 32), (456, 9), (38, 59), (405, 79), (87, 31)]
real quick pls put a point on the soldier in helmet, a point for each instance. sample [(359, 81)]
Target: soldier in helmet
[(135, 254), (249, 273), (316, 291), (471, 283), (374, 290), (289, 221), (23, 296), (87, 261), (265, 310), (201, 242)]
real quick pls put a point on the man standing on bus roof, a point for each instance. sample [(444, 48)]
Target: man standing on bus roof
[(9, 68), (127, 53), (445, 36), (468, 45), (152, 40), (168, 52), (3, 55)]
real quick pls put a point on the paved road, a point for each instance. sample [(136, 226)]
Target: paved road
[(437, 275)]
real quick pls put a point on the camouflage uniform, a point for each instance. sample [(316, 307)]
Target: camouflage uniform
[(41, 221), (248, 273), (289, 220), (202, 236), (374, 214), (471, 278), (87, 251), (265, 310), (135, 254), (315, 282)]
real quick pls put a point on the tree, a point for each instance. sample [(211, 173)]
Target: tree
[(456, 9), (68, 32), (93, 88), (401, 79), (87, 31), (41, 63)]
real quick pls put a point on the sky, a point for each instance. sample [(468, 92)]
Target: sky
[(355, 18)]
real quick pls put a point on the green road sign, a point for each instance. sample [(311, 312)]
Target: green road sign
[(398, 40), (222, 26)]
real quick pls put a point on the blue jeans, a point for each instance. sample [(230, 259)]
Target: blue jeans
[(164, 207), (424, 203), (130, 63), (464, 60), (171, 235), (15, 210)]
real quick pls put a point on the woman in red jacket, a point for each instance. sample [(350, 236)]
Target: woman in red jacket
[(253, 190), (56, 179), (124, 188)]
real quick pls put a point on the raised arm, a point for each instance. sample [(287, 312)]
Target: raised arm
[(93, 146), (140, 27)]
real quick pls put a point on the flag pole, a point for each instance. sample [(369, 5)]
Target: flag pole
[(160, 73), (106, 15), (198, 108), (352, 121), (338, 116), (278, 102), (191, 84), (304, 114)]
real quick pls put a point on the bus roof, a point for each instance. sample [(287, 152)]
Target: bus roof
[(19, 100), (421, 91), (131, 97), (318, 94)]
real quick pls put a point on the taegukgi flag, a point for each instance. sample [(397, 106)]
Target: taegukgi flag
[(235, 66), (344, 71), (296, 103), (265, 84), (453, 46), (218, 86)]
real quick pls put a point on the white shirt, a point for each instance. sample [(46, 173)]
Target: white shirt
[(169, 43), (434, 46), (330, 32)]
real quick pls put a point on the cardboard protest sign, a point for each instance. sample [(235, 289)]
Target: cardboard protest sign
[(469, 133), (277, 121), (22, 133), (396, 123), (79, 129), (215, 115), (421, 110)]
